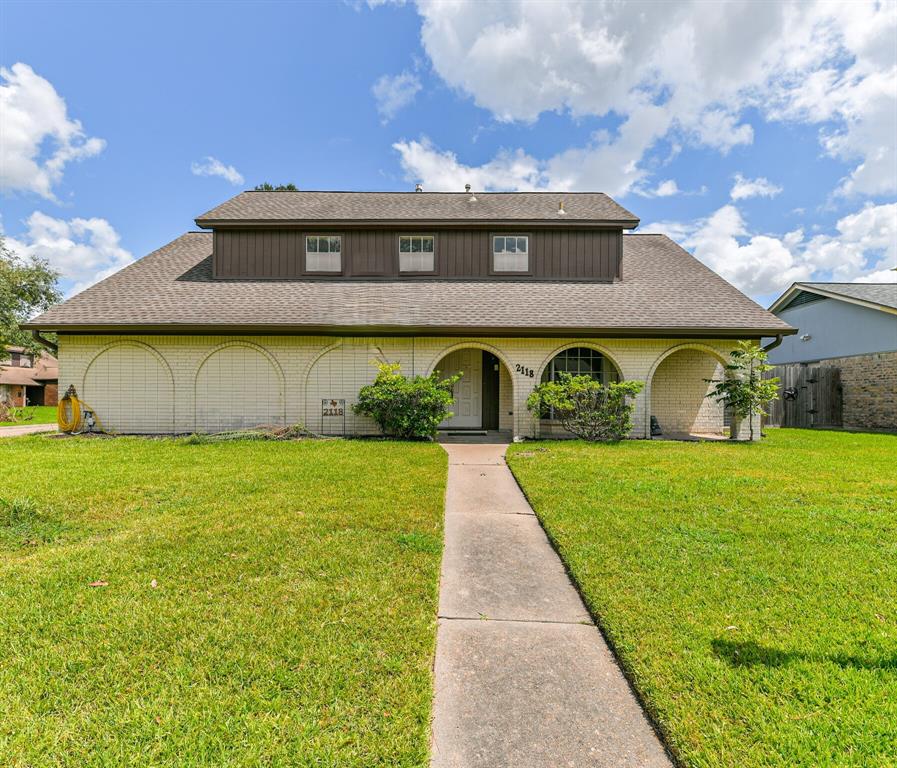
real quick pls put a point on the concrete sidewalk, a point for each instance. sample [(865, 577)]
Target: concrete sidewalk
[(523, 677), (26, 429)]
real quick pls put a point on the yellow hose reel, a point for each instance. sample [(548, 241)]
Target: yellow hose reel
[(75, 416)]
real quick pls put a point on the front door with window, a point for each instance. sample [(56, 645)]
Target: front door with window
[(468, 407)]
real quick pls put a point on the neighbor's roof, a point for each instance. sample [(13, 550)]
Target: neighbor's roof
[(415, 207), (46, 368), (881, 296), (17, 375), (665, 291)]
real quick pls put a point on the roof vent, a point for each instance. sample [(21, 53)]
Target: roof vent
[(561, 211), (467, 187), (418, 187), (472, 198)]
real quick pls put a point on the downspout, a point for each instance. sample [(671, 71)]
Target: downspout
[(773, 344), (54, 348)]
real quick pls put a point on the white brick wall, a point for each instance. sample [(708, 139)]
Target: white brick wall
[(201, 383), (678, 394)]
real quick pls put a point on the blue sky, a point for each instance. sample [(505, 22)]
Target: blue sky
[(764, 143)]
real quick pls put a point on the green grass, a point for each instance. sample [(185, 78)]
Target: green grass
[(292, 620), (40, 414), (750, 591)]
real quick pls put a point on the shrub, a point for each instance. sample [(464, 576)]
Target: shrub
[(403, 407), (15, 413), (587, 408)]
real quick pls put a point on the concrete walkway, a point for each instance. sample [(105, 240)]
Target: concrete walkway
[(523, 677), (26, 429)]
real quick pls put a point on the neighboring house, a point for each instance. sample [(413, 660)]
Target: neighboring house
[(852, 327), (26, 381), (277, 314)]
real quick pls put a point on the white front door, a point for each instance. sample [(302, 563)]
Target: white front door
[(468, 407)]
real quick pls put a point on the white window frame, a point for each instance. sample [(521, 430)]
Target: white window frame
[(320, 262), (412, 265), (499, 257)]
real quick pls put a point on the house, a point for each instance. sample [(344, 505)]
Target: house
[(276, 310), (851, 327), (25, 380)]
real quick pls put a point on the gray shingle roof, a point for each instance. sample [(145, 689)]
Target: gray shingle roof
[(884, 294), (664, 290), (582, 207)]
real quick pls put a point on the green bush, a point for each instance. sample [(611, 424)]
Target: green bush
[(587, 408), (403, 407)]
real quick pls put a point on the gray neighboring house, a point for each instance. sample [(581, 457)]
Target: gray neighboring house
[(852, 327)]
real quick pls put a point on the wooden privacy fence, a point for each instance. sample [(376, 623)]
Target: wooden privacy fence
[(809, 396)]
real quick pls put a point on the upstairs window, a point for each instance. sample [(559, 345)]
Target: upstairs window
[(417, 253), (323, 253), (510, 253)]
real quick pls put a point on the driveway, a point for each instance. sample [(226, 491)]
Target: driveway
[(26, 429), (523, 677)]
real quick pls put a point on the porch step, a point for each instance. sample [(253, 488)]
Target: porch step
[(465, 432)]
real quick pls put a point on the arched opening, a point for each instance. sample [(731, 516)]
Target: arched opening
[(131, 387), (576, 361), (484, 396), (238, 386), (679, 406)]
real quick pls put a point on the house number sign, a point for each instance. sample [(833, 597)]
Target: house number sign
[(333, 417), (522, 369), (333, 408)]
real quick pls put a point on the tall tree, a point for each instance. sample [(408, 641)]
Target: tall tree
[(27, 287)]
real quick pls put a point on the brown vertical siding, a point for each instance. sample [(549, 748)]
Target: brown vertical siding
[(554, 254)]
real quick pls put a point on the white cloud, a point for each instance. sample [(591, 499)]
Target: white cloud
[(744, 188), (84, 251), (688, 70), (212, 166), (666, 188), (605, 164), (393, 93), (441, 171), (862, 250), (37, 137)]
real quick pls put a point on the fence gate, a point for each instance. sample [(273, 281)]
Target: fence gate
[(809, 396)]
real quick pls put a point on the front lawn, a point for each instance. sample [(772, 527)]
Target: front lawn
[(36, 414), (228, 604), (749, 590)]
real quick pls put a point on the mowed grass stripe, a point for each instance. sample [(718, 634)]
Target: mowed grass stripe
[(292, 621), (750, 590)]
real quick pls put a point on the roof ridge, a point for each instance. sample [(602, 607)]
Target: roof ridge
[(840, 282), (422, 192)]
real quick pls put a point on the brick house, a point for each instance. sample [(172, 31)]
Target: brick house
[(28, 380), (851, 327), (275, 312)]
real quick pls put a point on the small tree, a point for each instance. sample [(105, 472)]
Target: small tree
[(587, 408), (743, 388), (403, 407)]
